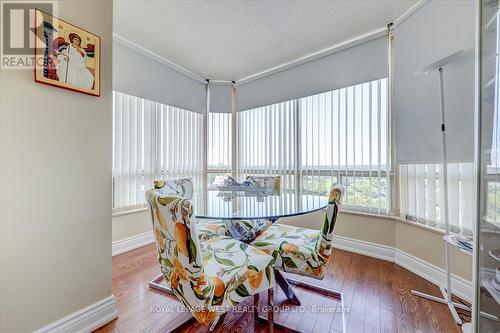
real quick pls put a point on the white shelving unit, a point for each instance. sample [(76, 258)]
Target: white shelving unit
[(487, 232)]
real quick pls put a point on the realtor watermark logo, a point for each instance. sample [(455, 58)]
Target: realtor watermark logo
[(18, 32)]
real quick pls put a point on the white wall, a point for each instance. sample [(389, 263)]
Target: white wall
[(129, 225), (55, 188)]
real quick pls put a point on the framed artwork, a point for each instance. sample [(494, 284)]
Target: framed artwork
[(66, 56)]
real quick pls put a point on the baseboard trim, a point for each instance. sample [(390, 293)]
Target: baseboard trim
[(86, 319), (460, 286), (369, 249), (131, 243)]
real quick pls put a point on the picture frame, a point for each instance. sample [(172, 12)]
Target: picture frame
[(66, 56)]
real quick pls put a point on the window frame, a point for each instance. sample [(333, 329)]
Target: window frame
[(298, 171)]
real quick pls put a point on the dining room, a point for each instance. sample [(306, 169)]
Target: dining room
[(268, 148), (253, 166)]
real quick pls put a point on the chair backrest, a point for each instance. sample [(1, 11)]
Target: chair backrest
[(274, 182), (179, 251), (181, 187), (324, 246)]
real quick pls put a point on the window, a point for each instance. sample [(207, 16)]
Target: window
[(345, 139), (341, 136), (218, 147), (491, 181), (267, 140), (152, 141), (422, 199)]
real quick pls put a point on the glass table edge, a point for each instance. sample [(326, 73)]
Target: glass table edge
[(270, 217)]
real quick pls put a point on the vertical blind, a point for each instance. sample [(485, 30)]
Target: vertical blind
[(219, 146), (152, 141), (490, 126), (267, 140), (340, 136), (422, 199), (492, 188), (345, 139)]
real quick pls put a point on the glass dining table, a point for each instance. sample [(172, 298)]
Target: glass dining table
[(242, 205), (234, 206)]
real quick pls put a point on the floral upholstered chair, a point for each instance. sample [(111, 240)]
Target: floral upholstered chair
[(299, 250), (207, 276), (183, 187)]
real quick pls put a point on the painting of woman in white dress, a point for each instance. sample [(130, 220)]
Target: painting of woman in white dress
[(71, 67), (68, 56)]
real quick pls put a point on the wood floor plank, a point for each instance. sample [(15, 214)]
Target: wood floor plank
[(387, 321), (294, 316), (377, 297), (356, 322), (403, 313), (310, 314), (372, 306), (338, 320)]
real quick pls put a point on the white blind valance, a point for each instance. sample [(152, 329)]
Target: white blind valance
[(138, 75), (220, 97), (361, 63), (437, 30)]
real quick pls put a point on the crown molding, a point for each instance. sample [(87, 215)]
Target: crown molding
[(131, 45), (410, 12)]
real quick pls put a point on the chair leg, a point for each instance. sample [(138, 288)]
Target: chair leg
[(285, 286), (214, 323), (270, 313), (156, 285), (256, 307), (320, 289)]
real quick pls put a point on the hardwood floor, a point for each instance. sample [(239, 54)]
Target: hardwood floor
[(376, 295)]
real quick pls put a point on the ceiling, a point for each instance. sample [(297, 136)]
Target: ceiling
[(230, 40)]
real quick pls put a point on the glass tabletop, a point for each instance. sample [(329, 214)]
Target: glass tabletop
[(215, 204)]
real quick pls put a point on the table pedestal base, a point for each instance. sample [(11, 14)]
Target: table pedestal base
[(285, 284)]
